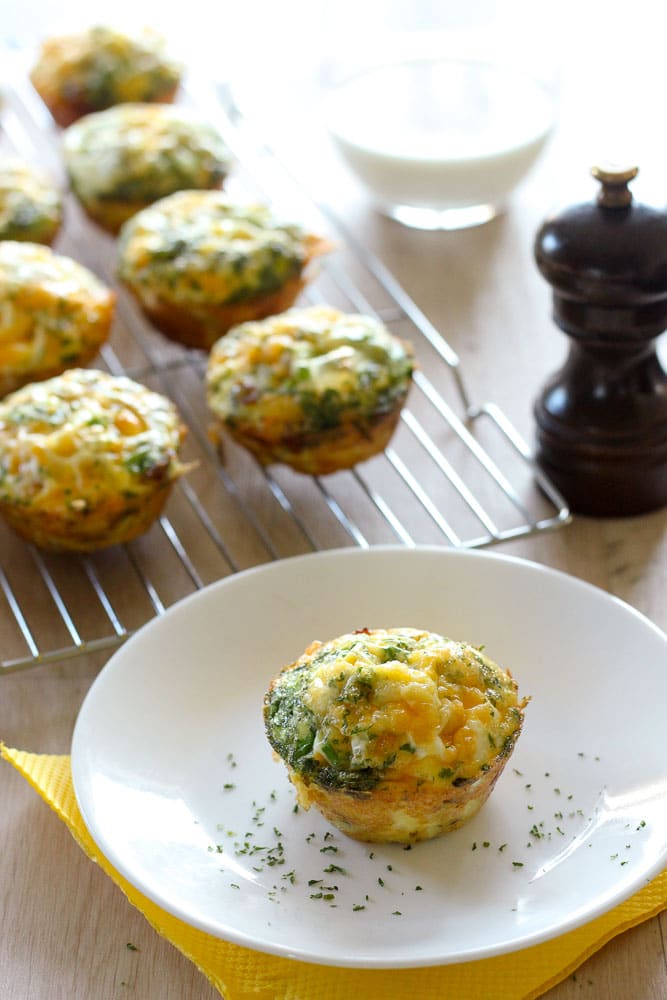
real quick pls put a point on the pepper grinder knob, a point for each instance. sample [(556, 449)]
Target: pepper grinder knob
[(602, 418), (614, 192)]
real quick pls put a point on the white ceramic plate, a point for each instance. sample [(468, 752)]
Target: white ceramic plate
[(176, 781)]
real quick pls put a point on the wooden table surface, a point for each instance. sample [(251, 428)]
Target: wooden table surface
[(64, 927)]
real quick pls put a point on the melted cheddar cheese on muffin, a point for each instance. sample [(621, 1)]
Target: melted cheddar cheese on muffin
[(198, 263), (393, 734), (87, 459), (123, 159), (99, 67), (315, 388), (30, 205), (54, 314)]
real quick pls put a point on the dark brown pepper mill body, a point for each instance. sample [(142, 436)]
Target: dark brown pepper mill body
[(602, 419)]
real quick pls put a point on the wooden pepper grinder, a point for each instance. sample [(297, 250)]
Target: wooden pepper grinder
[(602, 419)]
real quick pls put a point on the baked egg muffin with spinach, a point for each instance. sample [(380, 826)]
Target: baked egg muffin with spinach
[(199, 262), (125, 158), (316, 389), (87, 459), (395, 735), (31, 208), (54, 314), (96, 68)]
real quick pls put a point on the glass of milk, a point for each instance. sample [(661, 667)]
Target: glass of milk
[(441, 125)]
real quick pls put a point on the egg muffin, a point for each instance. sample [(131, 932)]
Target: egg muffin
[(99, 67), (396, 734), (123, 159), (316, 389), (31, 208), (198, 263), (87, 459), (54, 314)]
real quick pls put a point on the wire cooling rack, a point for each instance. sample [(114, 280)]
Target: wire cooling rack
[(457, 473)]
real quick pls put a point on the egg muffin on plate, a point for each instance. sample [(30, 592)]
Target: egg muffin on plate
[(96, 68), (54, 314), (315, 388), (123, 159), (31, 207), (199, 262), (395, 735), (87, 459)]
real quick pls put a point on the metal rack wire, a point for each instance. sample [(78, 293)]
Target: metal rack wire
[(457, 472)]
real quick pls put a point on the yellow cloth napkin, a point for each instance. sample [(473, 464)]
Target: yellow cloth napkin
[(241, 974)]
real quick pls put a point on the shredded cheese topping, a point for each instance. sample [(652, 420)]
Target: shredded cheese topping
[(100, 67), (83, 435), (142, 152), (396, 704), (51, 309), (201, 247), (30, 205), (307, 370)]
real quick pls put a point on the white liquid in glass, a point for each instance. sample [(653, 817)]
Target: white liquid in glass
[(441, 135)]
